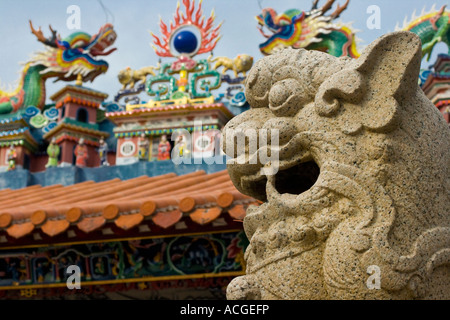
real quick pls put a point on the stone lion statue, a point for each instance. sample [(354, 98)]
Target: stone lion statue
[(241, 64), (358, 208), (129, 77)]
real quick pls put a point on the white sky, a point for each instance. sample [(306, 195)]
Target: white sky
[(133, 19)]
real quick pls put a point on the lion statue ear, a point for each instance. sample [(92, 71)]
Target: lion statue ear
[(371, 86)]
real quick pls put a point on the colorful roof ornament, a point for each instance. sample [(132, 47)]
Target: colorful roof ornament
[(74, 56), (67, 59), (312, 30), (41, 120), (189, 34), (197, 197), (432, 27), (185, 80)]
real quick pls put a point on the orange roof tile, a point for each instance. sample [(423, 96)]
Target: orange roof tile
[(204, 216), (167, 219), (237, 212), (162, 200)]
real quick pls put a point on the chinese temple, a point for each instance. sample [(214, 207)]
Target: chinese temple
[(132, 193), (141, 235), (132, 189), (435, 83), (432, 27)]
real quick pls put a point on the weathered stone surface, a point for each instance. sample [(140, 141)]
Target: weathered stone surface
[(363, 180)]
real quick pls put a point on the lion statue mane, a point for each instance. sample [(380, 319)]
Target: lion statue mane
[(362, 186)]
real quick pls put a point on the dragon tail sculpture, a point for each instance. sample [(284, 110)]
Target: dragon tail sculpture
[(30, 91), (431, 27)]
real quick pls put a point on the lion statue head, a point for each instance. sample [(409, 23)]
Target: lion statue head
[(357, 207), (243, 63), (125, 76)]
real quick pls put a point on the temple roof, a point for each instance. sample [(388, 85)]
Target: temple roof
[(77, 126), (170, 108), (78, 89), (159, 202), (16, 117), (440, 62)]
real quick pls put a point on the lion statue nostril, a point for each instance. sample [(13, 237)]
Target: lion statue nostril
[(285, 126)]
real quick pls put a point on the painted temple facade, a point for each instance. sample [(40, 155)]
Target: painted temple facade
[(131, 218), (147, 216), (436, 84)]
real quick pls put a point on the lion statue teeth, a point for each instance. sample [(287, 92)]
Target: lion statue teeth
[(241, 64), (356, 204)]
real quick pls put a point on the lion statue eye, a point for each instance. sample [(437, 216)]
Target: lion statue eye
[(257, 88), (252, 79), (287, 97)]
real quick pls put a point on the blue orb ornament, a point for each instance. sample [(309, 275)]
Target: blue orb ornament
[(185, 42)]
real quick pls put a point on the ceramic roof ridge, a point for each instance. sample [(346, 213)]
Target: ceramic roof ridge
[(150, 183), (25, 211), (80, 192), (178, 184), (163, 199), (219, 181), (24, 191), (40, 195), (90, 194)]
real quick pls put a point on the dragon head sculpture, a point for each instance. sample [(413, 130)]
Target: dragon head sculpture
[(76, 55), (361, 179), (307, 29), (68, 59)]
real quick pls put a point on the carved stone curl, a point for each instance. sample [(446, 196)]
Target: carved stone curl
[(363, 181)]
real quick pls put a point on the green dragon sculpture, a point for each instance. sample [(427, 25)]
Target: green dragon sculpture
[(68, 59), (312, 30), (431, 27)]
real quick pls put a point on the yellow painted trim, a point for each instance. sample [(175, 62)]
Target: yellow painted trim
[(176, 102), (147, 112), (423, 18), (75, 129), (70, 88), (144, 279), (116, 240)]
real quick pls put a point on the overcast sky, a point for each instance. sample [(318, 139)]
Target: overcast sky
[(133, 19)]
